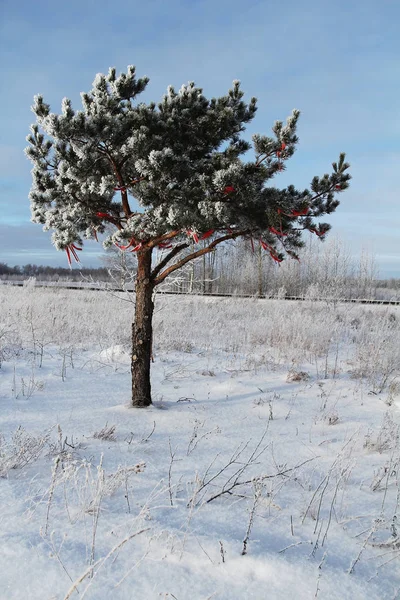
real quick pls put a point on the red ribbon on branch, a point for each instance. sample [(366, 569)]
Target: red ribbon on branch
[(278, 155), (229, 189), (276, 232), (300, 213), (271, 251), (193, 235), (295, 213), (106, 216), (207, 234), (132, 241), (71, 249), (318, 233), (196, 237), (276, 258)]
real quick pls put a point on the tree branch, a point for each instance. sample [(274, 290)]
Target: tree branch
[(162, 238), (260, 160), (196, 254), (124, 194), (330, 189), (260, 478), (158, 268)]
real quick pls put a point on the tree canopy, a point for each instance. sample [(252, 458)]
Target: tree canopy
[(179, 171)]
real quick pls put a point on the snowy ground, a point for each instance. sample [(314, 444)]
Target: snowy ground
[(268, 466)]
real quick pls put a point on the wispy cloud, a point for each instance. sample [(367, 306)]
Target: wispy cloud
[(27, 243)]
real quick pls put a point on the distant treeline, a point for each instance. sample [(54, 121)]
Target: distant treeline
[(326, 270), (52, 273)]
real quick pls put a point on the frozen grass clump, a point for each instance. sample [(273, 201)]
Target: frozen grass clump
[(327, 335), (20, 450), (377, 349), (387, 436), (51, 316)]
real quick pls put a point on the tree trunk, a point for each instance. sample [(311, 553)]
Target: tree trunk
[(204, 270), (142, 332), (260, 273)]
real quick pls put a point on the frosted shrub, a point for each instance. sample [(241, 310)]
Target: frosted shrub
[(85, 485), (10, 342), (66, 317), (22, 449), (378, 349), (292, 332), (87, 318), (387, 438)]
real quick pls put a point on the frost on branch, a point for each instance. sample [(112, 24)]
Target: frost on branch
[(144, 171)]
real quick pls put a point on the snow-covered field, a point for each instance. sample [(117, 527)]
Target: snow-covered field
[(268, 467)]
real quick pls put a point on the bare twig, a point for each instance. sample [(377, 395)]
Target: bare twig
[(51, 491), (101, 561), (257, 488), (146, 439), (222, 551), (172, 455), (237, 483)]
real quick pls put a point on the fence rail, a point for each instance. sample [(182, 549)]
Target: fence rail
[(103, 286)]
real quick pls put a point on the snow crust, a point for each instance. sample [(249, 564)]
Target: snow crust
[(122, 499)]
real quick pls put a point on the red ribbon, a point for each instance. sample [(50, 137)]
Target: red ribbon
[(229, 189), (207, 234), (276, 232), (131, 242), (318, 233), (266, 246), (106, 216), (278, 152), (71, 249), (295, 213), (276, 258), (193, 235), (271, 251), (300, 213)]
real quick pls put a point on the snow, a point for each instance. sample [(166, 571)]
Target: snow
[(86, 481)]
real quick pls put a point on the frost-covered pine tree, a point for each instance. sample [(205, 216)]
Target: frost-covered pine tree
[(166, 176)]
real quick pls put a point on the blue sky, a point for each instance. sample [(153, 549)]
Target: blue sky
[(337, 61)]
